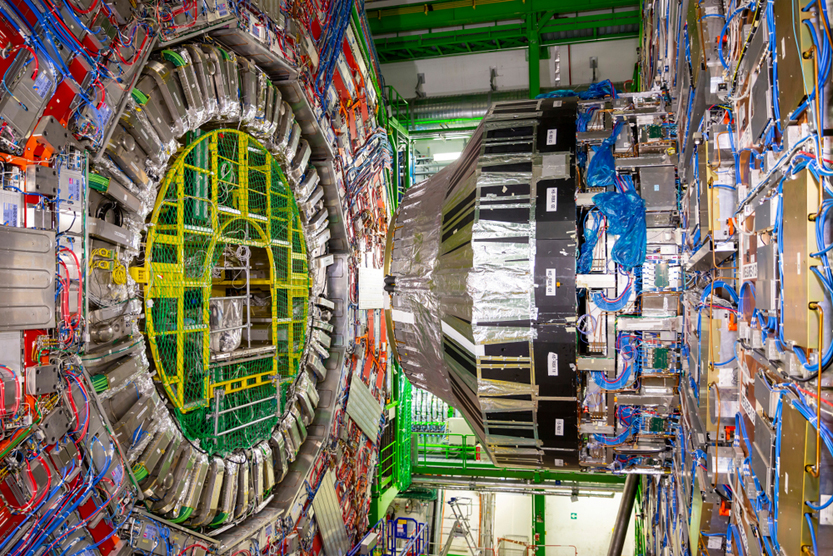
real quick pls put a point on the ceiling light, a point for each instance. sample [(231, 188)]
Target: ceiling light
[(446, 157)]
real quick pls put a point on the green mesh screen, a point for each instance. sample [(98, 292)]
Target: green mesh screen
[(227, 289)]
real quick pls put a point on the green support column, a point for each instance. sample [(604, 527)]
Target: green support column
[(396, 178), (408, 155), (534, 56), (539, 523)]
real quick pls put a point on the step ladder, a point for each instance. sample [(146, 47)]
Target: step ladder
[(460, 529)]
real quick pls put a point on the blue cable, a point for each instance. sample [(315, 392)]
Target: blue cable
[(812, 534), (723, 34)]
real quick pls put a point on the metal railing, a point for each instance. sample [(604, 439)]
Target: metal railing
[(552, 550), (388, 536), (508, 547), (441, 448), (414, 533), (400, 108)]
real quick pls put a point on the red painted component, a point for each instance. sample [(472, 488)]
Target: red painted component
[(8, 520), (317, 544), (100, 531), (59, 107), (30, 336)]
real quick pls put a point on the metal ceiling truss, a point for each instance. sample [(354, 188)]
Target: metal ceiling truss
[(530, 24), (566, 30)]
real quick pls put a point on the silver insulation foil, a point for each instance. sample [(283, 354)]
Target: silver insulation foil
[(462, 277)]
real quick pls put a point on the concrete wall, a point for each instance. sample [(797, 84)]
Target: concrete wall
[(454, 75), (513, 520), (590, 531)]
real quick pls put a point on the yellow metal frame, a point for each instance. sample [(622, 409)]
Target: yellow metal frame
[(167, 280)]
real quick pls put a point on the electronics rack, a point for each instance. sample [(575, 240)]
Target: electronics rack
[(191, 191), (747, 88)]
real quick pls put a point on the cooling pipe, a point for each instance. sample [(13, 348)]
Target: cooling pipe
[(521, 487), (620, 531)]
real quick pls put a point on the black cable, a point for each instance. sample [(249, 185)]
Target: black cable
[(107, 207)]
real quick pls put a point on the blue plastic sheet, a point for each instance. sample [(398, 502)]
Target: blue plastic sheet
[(625, 214), (601, 170), (596, 90), (591, 237)]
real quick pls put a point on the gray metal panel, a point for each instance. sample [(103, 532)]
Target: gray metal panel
[(765, 286), (328, 515), (27, 278), (658, 187), (363, 408)]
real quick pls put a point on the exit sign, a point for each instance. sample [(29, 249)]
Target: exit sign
[(573, 515)]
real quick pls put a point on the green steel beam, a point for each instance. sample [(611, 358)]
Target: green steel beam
[(449, 13), (539, 533), (413, 53), (499, 37), (379, 505), (599, 38), (533, 56), (536, 476)]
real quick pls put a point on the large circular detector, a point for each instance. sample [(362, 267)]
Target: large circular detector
[(228, 289)]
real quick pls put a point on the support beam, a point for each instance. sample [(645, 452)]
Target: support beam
[(379, 506), (623, 518), (507, 36), (449, 13), (533, 475), (539, 521), (534, 55)]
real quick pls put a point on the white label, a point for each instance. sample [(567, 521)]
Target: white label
[(401, 316), (715, 543), (371, 288), (826, 515), (559, 427), (747, 407), (326, 260), (10, 214), (798, 262), (550, 281), (786, 482), (552, 134), (724, 141), (722, 464), (556, 104), (552, 199), (558, 462), (552, 364)]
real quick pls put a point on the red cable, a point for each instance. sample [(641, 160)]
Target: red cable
[(103, 94), (32, 503), (17, 395), (34, 56), (88, 10), (88, 519), (195, 545), (815, 396)]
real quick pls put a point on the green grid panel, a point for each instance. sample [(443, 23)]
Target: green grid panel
[(225, 192), (403, 433)]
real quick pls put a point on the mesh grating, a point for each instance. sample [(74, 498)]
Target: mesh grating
[(228, 289)]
